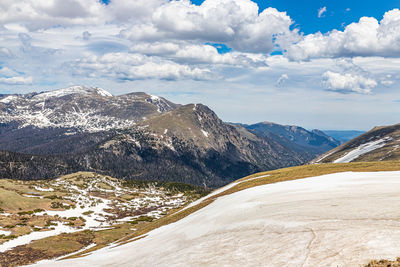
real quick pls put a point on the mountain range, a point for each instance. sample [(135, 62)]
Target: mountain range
[(140, 136)]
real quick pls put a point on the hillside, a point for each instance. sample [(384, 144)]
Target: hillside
[(189, 144), (308, 143), (379, 144), (249, 221), (71, 119), (138, 136), (47, 219)]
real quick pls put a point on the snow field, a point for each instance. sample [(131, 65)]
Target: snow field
[(341, 219)]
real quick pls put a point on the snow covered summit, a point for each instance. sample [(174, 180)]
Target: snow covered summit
[(80, 109), (73, 90)]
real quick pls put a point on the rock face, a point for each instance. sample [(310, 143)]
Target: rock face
[(379, 144), (133, 136)]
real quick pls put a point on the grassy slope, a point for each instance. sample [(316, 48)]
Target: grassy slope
[(280, 175), (12, 200), (65, 244)]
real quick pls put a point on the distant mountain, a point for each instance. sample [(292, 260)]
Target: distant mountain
[(140, 136), (308, 143), (343, 136), (188, 144), (71, 119), (379, 144)]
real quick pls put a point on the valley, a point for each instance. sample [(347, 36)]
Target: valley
[(82, 190)]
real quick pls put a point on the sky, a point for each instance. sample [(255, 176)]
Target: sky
[(317, 64)]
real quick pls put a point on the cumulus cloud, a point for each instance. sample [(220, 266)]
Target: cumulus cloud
[(321, 12), (198, 54), (124, 66), (17, 80), (368, 37), (281, 81), (347, 82), (49, 13), (347, 77), (234, 23)]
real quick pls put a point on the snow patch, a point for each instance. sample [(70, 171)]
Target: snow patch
[(320, 221), (8, 99), (71, 90), (362, 149), (6, 233)]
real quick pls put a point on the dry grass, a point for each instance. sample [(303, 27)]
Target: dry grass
[(65, 244), (280, 175), (384, 263), (11, 201)]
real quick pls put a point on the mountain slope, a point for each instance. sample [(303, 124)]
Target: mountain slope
[(308, 143), (189, 144), (312, 218), (379, 144), (48, 122), (139, 136)]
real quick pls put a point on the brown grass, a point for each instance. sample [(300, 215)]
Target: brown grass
[(65, 244), (384, 263)]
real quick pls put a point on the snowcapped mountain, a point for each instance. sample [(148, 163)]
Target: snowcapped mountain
[(82, 109), (133, 136), (188, 144), (379, 144)]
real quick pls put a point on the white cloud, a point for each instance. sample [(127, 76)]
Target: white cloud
[(125, 66), (321, 11), (281, 81), (387, 82), (368, 37), (234, 23), (18, 80), (7, 72), (347, 82), (347, 77), (198, 54), (50, 13)]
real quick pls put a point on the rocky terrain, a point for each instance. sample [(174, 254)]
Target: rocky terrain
[(139, 136), (379, 144)]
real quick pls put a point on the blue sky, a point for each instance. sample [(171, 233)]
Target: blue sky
[(339, 12), (318, 64)]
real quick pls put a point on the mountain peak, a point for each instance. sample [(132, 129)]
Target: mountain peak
[(77, 89)]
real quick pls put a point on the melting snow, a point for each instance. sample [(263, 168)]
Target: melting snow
[(152, 202), (2, 232), (362, 149), (342, 219), (71, 90), (204, 132), (8, 99)]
